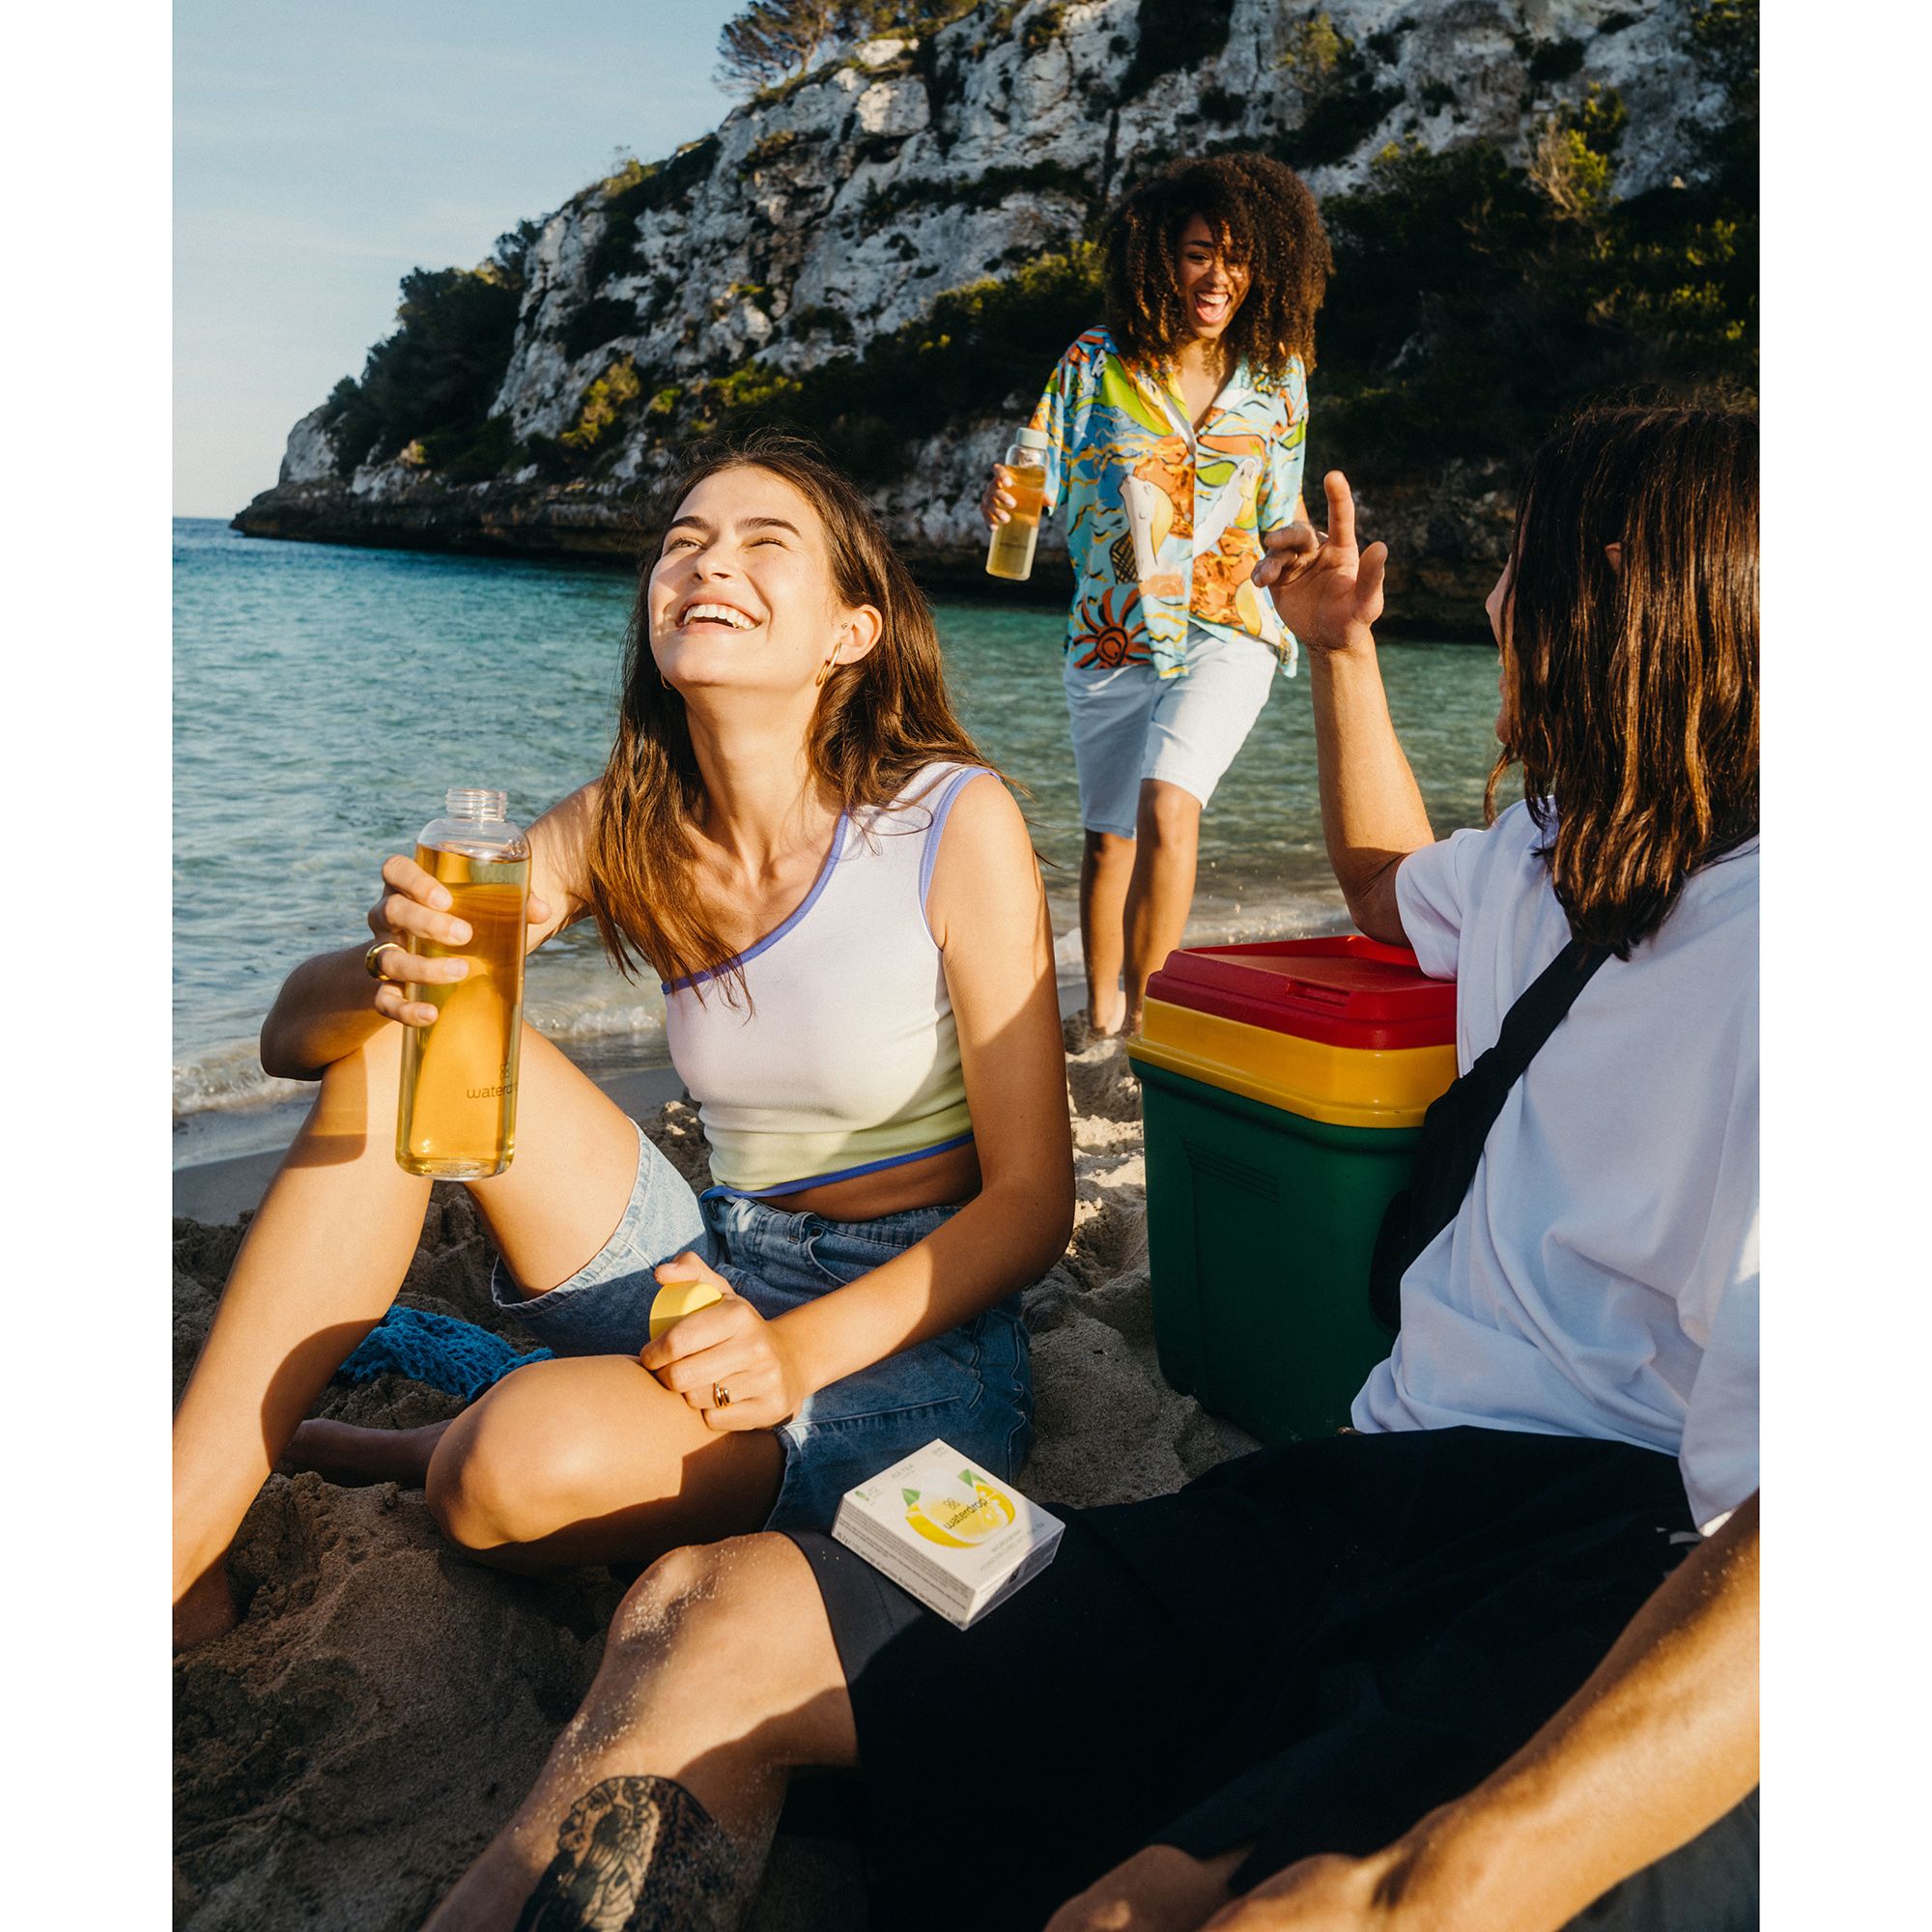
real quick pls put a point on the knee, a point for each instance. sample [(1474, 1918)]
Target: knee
[(744, 1599), (685, 1588), (708, 1605), (1109, 852), (1170, 818), (493, 1487)]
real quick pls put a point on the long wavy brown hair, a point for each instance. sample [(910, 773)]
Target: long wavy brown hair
[(878, 721), (1265, 221), (1630, 692)]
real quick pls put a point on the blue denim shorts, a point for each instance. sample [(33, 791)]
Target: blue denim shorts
[(973, 1386)]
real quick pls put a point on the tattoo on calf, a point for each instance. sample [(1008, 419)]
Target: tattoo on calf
[(636, 1854)]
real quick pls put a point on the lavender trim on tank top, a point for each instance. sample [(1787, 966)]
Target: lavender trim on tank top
[(930, 858), (778, 931), (846, 1173)]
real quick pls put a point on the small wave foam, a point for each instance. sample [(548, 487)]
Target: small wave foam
[(228, 1078), (643, 1023)]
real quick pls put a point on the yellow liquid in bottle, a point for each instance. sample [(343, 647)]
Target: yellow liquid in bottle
[(458, 1117), (1011, 552)]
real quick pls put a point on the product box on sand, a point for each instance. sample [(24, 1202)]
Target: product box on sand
[(945, 1533)]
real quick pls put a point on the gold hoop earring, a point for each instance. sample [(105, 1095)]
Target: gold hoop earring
[(825, 670)]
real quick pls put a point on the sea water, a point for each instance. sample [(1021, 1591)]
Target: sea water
[(323, 696)]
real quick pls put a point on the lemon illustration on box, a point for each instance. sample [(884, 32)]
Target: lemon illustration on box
[(947, 1533), (956, 1521), (676, 1299)]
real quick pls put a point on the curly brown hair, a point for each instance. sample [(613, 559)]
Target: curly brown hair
[(1265, 221), (1630, 691)]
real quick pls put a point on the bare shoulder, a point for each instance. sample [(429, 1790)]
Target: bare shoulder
[(984, 819), (985, 869)]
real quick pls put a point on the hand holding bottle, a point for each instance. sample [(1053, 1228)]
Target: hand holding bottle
[(997, 502), (1013, 506), (455, 1118), (414, 906)]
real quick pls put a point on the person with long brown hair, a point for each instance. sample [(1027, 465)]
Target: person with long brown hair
[(796, 834), (1173, 441), (1491, 1653)]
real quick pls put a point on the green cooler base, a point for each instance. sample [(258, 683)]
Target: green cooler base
[(1260, 1229)]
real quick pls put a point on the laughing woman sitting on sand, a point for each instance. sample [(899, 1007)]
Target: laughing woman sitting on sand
[(795, 833)]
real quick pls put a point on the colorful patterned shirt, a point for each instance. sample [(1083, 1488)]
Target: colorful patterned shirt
[(1164, 522)]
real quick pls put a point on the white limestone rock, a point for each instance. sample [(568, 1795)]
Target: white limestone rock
[(310, 457), (893, 108)]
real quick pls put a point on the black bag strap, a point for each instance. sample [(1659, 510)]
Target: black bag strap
[(1450, 1146)]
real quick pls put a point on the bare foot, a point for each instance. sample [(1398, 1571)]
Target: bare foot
[(204, 1610), (1105, 1022), (354, 1456)]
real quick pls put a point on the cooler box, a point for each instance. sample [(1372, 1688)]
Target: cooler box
[(1282, 1086)]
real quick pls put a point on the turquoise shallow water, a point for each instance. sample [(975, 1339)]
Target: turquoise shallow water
[(325, 696)]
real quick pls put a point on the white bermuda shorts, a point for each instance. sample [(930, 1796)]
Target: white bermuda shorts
[(1130, 724)]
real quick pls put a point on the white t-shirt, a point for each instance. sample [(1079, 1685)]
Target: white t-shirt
[(1602, 1277)]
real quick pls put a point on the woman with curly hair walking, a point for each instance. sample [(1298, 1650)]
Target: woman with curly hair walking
[(1174, 440)]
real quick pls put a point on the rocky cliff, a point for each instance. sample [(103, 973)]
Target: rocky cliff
[(890, 249)]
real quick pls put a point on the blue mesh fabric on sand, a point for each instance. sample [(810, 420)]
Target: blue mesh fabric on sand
[(455, 1356)]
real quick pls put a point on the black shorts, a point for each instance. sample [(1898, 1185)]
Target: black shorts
[(1304, 1651)]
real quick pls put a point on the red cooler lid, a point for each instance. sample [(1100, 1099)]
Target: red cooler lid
[(1349, 990)]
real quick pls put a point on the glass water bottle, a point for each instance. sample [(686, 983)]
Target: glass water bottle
[(458, 1115), (1010, 555)]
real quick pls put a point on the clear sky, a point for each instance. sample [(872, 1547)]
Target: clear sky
[(322, 152)]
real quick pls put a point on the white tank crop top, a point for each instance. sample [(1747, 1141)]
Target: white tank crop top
[(847, 1060)]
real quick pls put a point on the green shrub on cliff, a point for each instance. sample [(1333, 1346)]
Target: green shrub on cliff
[(605, 402), (465, 456), (1171, 35), (1340, 100), (981, 348), (435, 378), (641, 188), (772, 43), (593, 323)]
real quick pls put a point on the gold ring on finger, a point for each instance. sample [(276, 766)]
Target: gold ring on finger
[(721, 1396), (371, 960)]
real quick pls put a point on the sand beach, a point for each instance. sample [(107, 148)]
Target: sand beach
[(343, 1752)]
